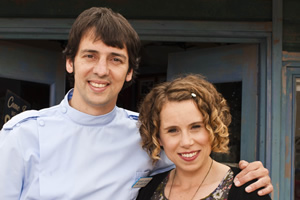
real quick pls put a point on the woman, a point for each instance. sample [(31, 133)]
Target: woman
[(188, 119)]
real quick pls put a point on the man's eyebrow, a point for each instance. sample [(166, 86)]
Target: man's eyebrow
[(88, 50), (118, 54), (95, 51)]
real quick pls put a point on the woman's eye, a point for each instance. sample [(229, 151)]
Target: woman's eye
[(173, 130), (196, 126)]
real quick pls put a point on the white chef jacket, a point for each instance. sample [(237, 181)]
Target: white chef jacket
[(63, 154)]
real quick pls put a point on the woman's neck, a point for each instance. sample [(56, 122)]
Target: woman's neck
[(189, 178), (198, 183)]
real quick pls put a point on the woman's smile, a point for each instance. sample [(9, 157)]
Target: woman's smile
[(189, 156)]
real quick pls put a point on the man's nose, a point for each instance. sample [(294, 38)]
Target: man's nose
[(101, 68)]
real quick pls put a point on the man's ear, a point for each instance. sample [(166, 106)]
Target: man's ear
[(69, 65), (129, 75)]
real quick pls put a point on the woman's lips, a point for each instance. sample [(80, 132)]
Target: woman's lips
[(189, 156)]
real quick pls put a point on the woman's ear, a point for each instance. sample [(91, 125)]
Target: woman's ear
[(160, 143)]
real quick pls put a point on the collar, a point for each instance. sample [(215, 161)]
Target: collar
[(83, 118)]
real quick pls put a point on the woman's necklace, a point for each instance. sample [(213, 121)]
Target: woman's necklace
[(198, 186)]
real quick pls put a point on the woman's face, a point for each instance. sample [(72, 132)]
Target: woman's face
[(183, 135)]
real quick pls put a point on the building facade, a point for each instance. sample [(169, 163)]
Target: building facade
[(249, 49)]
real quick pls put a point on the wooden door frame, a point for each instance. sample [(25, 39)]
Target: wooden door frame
[(290, 71)]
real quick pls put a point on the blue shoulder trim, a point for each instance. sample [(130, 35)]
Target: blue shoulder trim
[(19, 118), (132, 115)]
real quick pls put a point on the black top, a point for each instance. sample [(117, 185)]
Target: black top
[(235, 193)]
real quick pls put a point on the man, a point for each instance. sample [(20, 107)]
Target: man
[(86, 147)]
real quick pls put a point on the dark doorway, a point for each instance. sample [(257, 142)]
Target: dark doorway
[(36, 95)]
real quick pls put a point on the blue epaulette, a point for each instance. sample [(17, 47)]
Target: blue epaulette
[(132, 115), (19, 118)]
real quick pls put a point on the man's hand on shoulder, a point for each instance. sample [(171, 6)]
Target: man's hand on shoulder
[(251, 171)]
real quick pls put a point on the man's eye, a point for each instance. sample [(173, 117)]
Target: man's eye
[(90, 56), (117, 60)]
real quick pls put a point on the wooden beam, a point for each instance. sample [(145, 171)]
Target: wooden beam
[(274, 161)]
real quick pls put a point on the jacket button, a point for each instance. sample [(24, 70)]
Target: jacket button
[(41, 123)]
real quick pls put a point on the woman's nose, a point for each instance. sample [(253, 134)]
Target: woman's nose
[(186, 140)]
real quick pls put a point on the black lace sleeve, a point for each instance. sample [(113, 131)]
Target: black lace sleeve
[(146, 192)]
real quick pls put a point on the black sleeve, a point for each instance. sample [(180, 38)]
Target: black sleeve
[(146, 192), (240, 193)]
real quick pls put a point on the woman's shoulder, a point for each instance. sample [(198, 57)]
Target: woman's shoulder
[(147, 191), (240, 193), (235, 170)]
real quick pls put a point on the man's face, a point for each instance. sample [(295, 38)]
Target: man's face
[(99, 76)]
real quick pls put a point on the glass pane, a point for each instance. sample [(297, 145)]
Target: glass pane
[(297, 142), (232, 92), (17, 96)]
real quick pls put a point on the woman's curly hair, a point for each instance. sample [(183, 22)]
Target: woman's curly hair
[(210, 102)]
